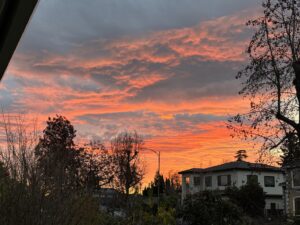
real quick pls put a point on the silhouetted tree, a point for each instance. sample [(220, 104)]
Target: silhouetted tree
[(26, 196), (175, 181), (168, 186), (129, 170), (271, 80), (240, 155), (159, 182), (58, 160), (20, 197), (97, 165), (290, 149)]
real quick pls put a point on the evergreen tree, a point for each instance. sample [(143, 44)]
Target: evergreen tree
[(58, 160), (159, 182), (240, 155)]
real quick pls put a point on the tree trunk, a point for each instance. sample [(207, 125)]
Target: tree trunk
[(296, 66)]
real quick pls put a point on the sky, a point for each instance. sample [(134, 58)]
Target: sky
[(165, 68)]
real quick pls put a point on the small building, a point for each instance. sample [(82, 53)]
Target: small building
[(110, 201), (291, 188), (107, 197), (237, 173)]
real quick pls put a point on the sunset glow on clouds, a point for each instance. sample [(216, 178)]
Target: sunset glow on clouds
[(166, 70)]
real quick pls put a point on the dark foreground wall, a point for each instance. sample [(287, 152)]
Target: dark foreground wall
[(14, 16)]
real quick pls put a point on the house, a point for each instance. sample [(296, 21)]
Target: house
[(291, 188), (236, 173), (109, 201), (107, 197)]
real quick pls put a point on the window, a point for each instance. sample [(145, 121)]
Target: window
[(269, 181), (224, 180), (297, 206), (296, 178), (197, 181), (252, 179), (187, 181), (208, 181), (187, 184)]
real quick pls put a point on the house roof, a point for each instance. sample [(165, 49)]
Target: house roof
[(235, 165), (193, 170)]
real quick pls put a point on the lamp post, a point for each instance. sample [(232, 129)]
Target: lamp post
[(158, 171)]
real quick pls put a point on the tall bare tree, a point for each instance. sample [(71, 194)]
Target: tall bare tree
[(19, 136), (129, 171), (271, 80), (19, 192), (97, 165)]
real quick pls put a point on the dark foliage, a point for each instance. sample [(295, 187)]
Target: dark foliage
[(167, 186), (250, 198), (208, 208), (290, 149)]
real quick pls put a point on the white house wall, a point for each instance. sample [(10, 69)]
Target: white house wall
[(279, 179), (238, 178), (279, 203)]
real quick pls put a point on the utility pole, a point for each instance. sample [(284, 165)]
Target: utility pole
[(158, 182), (158, 171)]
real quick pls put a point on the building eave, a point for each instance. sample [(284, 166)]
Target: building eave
[(191, 171), (234, 166)]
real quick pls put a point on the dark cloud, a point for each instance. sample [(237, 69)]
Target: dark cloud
[(147, 122), (60, 25), (190, 63), (198, 118), (7, 96), (163, 50), (193, 79), (91, 118)]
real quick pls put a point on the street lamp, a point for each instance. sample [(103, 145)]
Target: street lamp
[(158, 171)]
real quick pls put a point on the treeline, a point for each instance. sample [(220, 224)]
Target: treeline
[(163, 186), (49, 180)]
